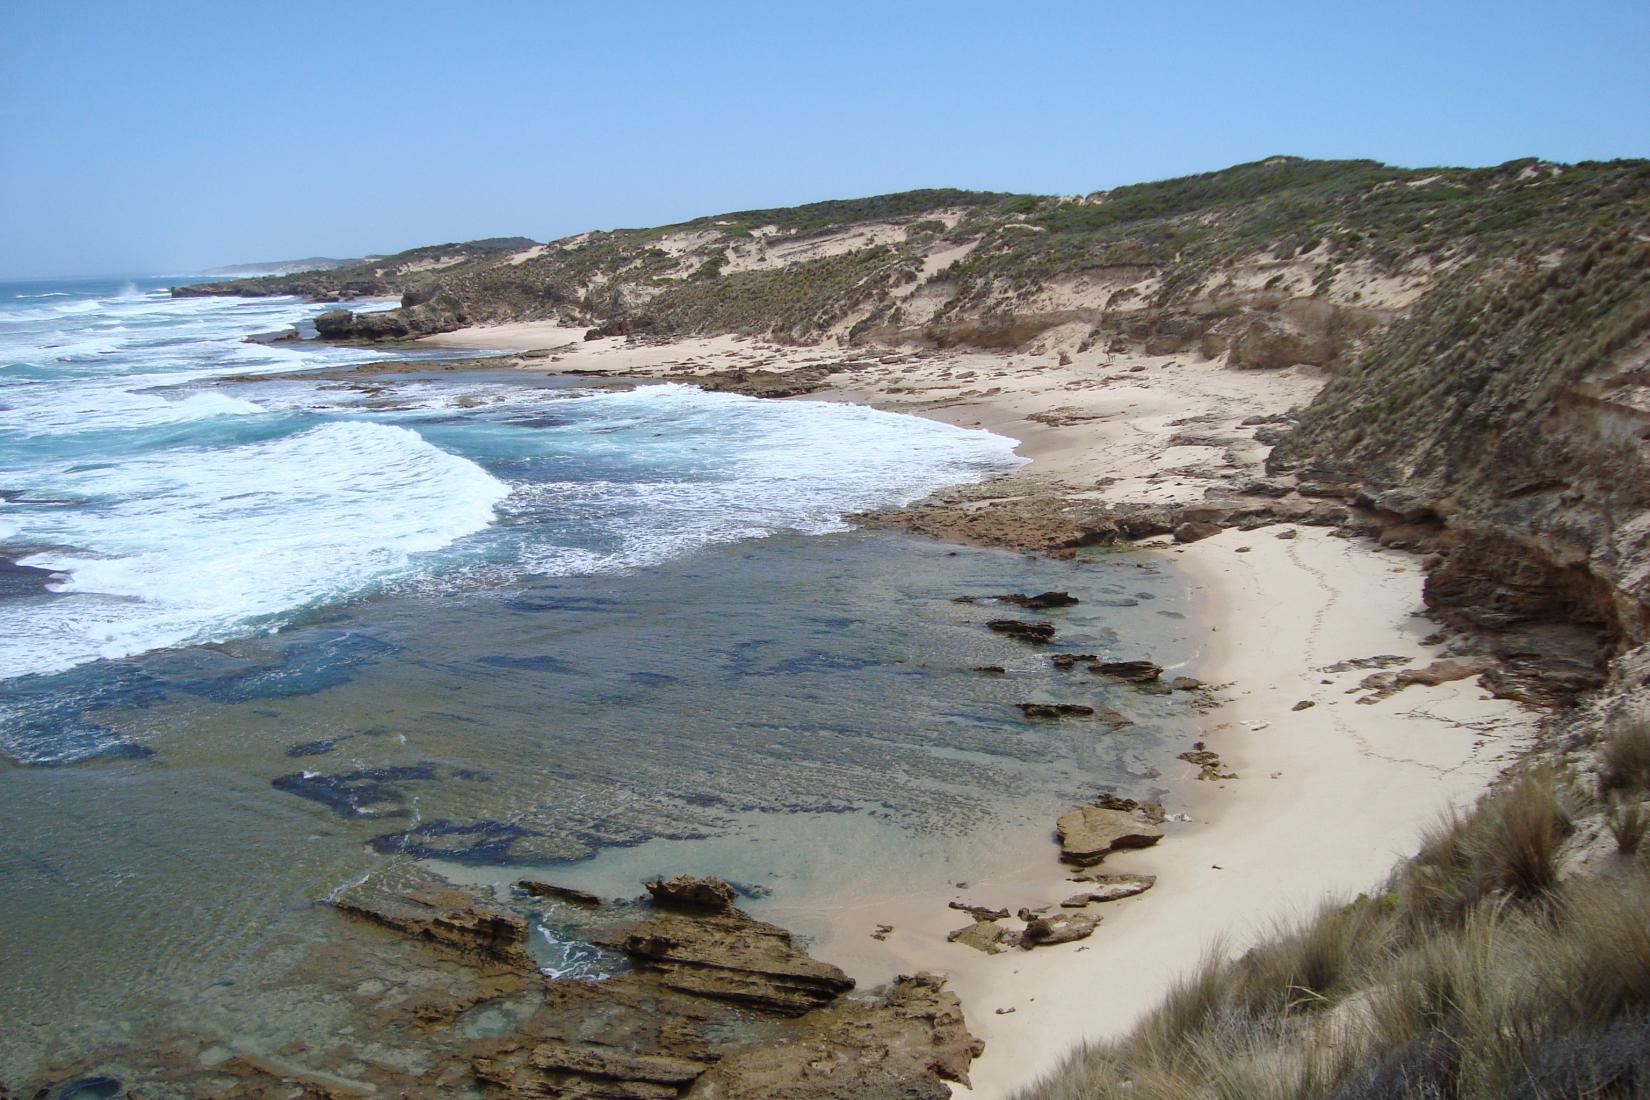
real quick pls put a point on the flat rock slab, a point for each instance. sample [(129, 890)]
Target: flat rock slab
[(987, 936), (443, 916), (729, 957), (584, 899), (1116, 887), (1090, 833)]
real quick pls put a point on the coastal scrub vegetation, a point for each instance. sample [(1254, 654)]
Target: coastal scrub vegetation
[(1478, 972), (1171, 241)]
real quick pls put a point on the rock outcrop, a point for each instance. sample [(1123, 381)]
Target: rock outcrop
[(904, 1047), (698, 942), (1058, 928)]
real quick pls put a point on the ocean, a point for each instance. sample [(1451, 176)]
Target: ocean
[(263, 636)]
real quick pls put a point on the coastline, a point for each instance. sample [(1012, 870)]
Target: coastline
[(1327, 797)]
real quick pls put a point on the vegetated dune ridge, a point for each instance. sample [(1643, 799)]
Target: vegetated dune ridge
[(1480, 338)]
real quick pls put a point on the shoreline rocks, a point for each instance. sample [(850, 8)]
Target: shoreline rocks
[(1090, 833), (698, 942)]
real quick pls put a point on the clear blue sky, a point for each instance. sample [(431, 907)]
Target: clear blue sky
[(164, 137)]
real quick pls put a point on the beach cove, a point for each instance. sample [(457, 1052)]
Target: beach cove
[(1335, 781)]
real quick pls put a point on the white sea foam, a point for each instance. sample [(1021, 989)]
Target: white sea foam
[(186, 547), (732, 468)]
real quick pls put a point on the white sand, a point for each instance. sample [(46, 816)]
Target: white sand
[(1327, 798)]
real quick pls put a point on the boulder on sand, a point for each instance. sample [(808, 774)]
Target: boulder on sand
[(1090, 833)]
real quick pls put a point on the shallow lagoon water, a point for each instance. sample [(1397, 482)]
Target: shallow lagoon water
[(662, 652), (799, 715)]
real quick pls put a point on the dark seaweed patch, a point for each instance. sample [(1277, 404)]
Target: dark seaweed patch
[(314, 748), (46, 722), (369, 793), (315, 662), (484, 842), (538, 663), (546, 601)]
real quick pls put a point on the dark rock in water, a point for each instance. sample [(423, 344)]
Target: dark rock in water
[(1043, 600), (1134, 672), (990, 670), (688, 894), (1056, 710), (1040, 602), (1064, 661), (582, 898), (1034, 633), (438, 914), (1186, 683)]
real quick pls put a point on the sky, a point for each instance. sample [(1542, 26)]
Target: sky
[(166, 137)]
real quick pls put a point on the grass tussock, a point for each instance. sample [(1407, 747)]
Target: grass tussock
[(1624, 758), (1478, 974), (1627, 822)]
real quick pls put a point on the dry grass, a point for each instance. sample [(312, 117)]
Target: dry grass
[(1477, 975)]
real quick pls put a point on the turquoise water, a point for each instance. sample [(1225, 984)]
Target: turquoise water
[(268, 638)]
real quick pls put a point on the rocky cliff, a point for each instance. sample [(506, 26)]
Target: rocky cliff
[(1506, 425)]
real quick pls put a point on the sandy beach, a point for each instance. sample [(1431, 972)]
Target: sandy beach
[(1333, 784)]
